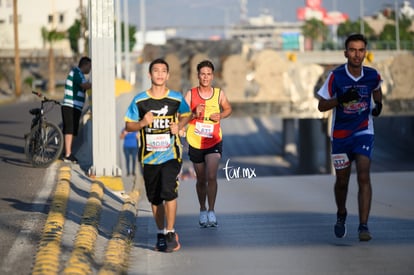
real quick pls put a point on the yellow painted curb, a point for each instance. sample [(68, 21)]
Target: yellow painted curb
[(122, 86), (48, 253), (113, 183), (117, 252), (83, 252)]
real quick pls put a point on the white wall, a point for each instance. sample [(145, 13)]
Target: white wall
[(33, 16)]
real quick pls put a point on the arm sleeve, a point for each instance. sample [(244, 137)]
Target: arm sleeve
[(132, 113), (326, 90)]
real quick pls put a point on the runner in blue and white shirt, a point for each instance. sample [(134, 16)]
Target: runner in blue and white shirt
[(353, 92)]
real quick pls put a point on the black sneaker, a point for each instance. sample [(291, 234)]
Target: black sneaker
[(363, 233), (172, 242), (161, 244), (71, 158), (340, 227)]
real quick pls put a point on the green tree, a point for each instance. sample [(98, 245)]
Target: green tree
[(74, 33), (131, 31), (315, 30), (388, 34), (350, 27), (50, 38)]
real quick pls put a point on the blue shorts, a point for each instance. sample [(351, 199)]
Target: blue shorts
[(345, 149)]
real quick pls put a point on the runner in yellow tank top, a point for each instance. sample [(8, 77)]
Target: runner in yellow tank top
[(209, 105), (202, 132)]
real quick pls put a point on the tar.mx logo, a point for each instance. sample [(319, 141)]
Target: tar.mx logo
[(238, 172)]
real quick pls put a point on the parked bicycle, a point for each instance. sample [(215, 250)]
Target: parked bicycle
[(44, 143)]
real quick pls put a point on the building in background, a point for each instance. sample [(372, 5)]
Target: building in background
[(264, 32), (32, 16)]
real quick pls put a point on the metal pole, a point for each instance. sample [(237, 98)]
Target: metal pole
[(397, 26), (126, 42), (118, 39), (361, 15), (143, 75), (142, 22)]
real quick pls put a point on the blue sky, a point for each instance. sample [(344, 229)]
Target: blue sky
[(190, 14)]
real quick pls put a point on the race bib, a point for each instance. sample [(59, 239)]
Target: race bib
[(340, 161), (158, 142), (204, 129)]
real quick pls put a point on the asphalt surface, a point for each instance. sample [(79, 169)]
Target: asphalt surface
[(284, 225), (24, 190), (267, 225)]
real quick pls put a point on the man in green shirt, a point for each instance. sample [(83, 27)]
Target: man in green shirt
[(76, 86)]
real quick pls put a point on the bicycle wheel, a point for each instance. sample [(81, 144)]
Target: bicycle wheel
[(44, 144)]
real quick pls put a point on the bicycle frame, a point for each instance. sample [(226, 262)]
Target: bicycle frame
[(44, 143)]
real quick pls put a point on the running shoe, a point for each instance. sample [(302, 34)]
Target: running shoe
[(203, 220), (161, 243), (71, 158), (212, 220), (340, 227), (363, 232), (172, 242)]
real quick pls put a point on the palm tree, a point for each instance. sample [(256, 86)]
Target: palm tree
[(315, 30), (51, 37), (17, 75)]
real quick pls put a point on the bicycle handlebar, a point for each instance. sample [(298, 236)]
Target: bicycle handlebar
[(44, 98)]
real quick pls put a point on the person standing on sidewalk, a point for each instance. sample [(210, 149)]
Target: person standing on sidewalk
[(209, 105), (158, 113), (76, 86), (130, 148), (353, 92)]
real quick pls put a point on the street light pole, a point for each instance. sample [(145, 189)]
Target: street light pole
[(118, 49), (126, 42), (142, 22), (361, 15), (397, 25)]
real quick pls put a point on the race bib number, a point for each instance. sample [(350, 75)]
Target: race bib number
[(204, 129), (158, 142), (340, 161)]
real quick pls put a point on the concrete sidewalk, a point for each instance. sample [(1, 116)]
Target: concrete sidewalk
[(274, 225)]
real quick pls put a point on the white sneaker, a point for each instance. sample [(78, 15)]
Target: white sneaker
[(212, 220), (203, 219)]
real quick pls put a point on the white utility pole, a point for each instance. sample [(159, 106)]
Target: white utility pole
[(145, 81), (126, 43), (104, 133), (142, 22), (118, 39)]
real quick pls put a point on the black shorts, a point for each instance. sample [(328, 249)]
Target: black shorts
[(70, 118), (161, 181), (197, 155)]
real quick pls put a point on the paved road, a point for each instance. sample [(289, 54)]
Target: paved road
[(284, 225), (24, 190)]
